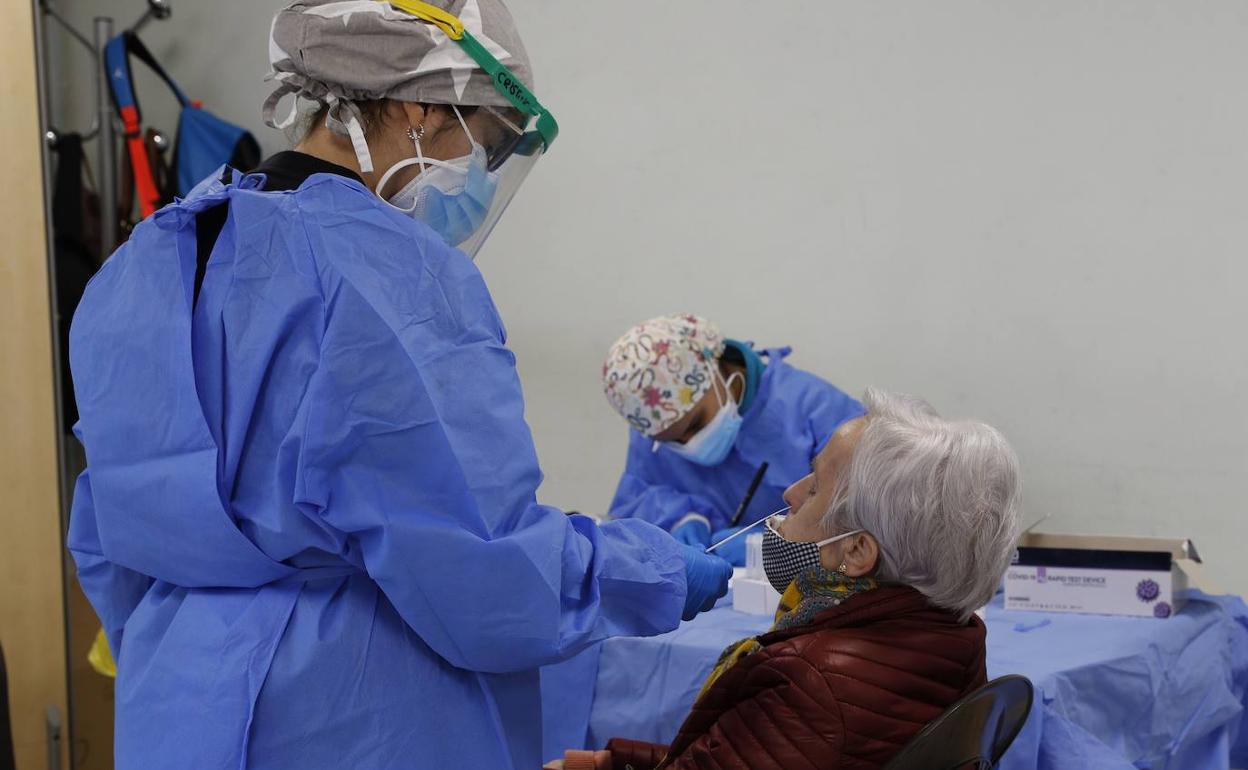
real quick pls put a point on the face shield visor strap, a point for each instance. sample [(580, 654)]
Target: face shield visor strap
[(506, 121)]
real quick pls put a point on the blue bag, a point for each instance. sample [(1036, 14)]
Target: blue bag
[(204, 142)]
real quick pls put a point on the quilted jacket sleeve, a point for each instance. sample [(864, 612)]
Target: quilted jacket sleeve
[(637, 755)]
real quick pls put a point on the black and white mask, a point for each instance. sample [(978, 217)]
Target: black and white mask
[(784, 560)]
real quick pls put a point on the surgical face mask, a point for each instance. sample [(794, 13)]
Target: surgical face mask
[(711, 445), (451, 196), (784, 560)]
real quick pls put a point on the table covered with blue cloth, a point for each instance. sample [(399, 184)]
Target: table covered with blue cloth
[(1112, 693)]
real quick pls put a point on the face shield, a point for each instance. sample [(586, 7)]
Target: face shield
[(514, 139)]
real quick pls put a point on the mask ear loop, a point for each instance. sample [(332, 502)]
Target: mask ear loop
[(727, 383), (420, 159), (415, 136), (464, 124), (728, 387), (717, 379), (842, 536)]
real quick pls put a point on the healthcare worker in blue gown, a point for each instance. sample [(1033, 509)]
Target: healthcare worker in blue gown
[(706, 413), (309, 522)]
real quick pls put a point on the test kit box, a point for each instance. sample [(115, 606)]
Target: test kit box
[(754, 596), (1137, 576), (751, 591)]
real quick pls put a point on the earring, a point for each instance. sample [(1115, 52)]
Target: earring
[(417, 134), (843, 568)]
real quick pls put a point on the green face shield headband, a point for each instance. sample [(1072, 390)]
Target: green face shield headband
[(504, 80), (530, 129)]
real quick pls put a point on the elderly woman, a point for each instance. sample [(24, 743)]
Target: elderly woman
[(902, 529)]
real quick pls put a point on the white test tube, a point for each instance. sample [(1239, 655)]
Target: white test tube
[(754, 556)]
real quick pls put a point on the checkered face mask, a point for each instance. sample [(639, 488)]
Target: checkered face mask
[(784, 560)]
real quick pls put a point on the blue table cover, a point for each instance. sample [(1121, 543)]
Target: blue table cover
[(1112, 693)]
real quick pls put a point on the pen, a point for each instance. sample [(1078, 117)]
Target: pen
[(749, 495)]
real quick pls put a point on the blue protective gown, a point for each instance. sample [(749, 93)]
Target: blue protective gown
[(789, 421), (309, 522)]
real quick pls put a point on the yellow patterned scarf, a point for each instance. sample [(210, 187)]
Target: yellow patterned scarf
[(809, 594)]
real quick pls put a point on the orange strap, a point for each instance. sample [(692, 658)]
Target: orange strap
[(145, 183)]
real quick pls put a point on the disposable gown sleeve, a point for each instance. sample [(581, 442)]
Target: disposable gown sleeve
[(642, 493), (413, 442), (114, 591)]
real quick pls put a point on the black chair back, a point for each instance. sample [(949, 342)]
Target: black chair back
[(973, 733)]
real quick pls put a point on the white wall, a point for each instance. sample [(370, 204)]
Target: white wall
[(1032, 213)]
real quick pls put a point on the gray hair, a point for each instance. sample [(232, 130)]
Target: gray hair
[(941, 497)]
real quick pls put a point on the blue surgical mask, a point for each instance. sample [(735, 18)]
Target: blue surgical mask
[(711, 445), (451, 196), (455, 198)]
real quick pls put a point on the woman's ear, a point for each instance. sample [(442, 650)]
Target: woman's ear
[(442, 136), (860, 556), (417, 115)]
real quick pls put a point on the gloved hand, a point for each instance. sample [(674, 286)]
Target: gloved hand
[(734, 552), (706, 578), (693, 532)]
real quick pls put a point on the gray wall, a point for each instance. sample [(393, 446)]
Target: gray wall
[(1031, 213)]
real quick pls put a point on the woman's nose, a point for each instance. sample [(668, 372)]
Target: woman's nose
[(792, 496)]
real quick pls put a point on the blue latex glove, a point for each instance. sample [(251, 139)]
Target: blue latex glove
[(693, 532), (734, 552), (706, 578)]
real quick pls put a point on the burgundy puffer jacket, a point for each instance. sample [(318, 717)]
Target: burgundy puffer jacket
[(844, 692)]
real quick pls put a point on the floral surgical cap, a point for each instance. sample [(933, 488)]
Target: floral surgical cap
[(660, 369)]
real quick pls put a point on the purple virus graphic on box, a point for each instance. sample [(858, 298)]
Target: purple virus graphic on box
[(1162, 610), (1147, 590)]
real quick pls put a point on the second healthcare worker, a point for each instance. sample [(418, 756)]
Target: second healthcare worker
[(309, 521), (706, 414)]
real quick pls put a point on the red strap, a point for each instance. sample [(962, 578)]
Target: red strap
[(144, 182)]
